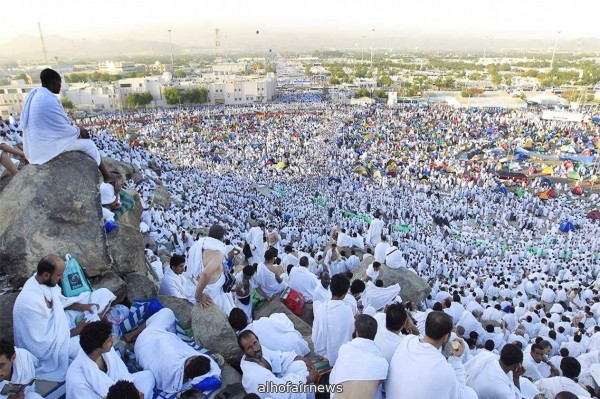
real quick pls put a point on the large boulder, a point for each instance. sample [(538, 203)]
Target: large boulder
[(140, 287), (162, 197), (52, 209), (412, 287), (212, 330), (124, 169), (276, 306), (113, 283), (7, 302), (181, 307), (125, 243)]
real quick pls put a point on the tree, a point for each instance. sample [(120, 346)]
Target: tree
[(172, 95), (385, 80), (134, 100), (180, 74), (66, 103), (195, 95), (334, 80), (362, 92)]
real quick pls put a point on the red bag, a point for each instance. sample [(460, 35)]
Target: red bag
[(293, 300)]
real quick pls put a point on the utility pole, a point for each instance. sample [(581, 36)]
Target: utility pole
[(554, 51), (171, 46), (43, 42)]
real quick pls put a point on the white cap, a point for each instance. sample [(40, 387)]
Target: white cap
[(107, 194)]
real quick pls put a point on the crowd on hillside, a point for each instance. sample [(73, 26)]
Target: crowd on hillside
[(307, 194)]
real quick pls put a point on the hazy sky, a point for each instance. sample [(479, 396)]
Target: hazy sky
[(149, 19)]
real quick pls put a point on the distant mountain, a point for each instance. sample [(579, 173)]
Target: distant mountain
[(30, 48), (239, 40)]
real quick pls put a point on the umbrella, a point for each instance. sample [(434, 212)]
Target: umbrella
[(566, 226), (551, 193), (547, 170), (503, 190), (520, 192), (546, 181), (577, 190), (574, 176), (542, 195), (361, 170), (594, 214)]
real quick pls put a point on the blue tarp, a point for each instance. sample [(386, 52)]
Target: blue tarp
[(578, 158), (566, 226)]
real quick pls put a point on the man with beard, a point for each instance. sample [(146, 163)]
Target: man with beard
[(263, 370), (42, 324)]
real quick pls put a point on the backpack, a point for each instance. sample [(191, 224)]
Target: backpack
[(74, 280)]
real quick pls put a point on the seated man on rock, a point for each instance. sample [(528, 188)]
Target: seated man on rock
[(277, 331), (17, 366), (176, 366), (45, 320), (48, 132), (97, 366), (263, 368)]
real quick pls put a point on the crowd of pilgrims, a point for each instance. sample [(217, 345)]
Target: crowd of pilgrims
[(487, 254)]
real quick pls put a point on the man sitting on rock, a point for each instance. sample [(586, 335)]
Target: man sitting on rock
[(44, 320), (262, 368), (176, 366), (97, 366), (17, 365), (277, 331), (48, 132)]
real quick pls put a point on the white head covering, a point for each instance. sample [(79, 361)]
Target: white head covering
[(107, 194)]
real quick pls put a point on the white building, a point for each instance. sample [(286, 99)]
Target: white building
[(151, 84), (242, 90), (116, 68), (93, 97), (13, 96)]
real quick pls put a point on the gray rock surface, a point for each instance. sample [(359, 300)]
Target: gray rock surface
[(113, 283), (212, 331), (229, 376), (125, 243), (52, 208), (162, 197), (181, 307), (275, 306), (140, 287), (412, 287), (7, 302)]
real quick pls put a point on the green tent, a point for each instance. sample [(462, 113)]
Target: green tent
[(574, 176), (520, 192), (404, 228)]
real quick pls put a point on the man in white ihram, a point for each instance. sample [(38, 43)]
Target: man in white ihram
[(209, 259), (360, 366), (17, 366), (255, 239), (262, 368), (375, 230), (42, 325), (47, 129), (419, 370), (98, 366), (277, 331), (334, 321)]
